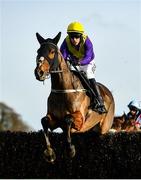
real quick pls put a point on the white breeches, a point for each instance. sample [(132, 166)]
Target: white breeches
[(89, 69)]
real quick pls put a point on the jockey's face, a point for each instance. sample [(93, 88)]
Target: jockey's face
[(133, 111), (75, 40)]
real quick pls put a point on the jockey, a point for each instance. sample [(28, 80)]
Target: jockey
[(78, 49), (135, 112)]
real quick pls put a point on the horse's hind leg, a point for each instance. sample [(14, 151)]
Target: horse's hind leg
[(67, 131), (49, 152), (108, 119)]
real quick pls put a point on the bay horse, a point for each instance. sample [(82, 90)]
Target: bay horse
[(68, 103), (122, 123)]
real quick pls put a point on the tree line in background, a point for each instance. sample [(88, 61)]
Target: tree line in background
[(10, 120)]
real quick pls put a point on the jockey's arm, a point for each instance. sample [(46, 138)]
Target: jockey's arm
[(66, 55), (89, 53)]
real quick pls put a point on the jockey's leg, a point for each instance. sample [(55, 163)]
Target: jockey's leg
[(100, 106), (94, 91)]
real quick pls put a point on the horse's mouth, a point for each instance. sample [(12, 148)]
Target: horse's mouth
[(41, 76)]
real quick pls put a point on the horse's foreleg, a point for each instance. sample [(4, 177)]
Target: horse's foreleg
[(67, 131), (49, 152)]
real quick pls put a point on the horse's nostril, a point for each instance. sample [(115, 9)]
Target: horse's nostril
[(38, 73), (41, 72)]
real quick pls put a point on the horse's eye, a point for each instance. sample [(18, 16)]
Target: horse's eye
[(52, 51)]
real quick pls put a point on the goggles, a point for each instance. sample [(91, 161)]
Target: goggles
[(74, 35)]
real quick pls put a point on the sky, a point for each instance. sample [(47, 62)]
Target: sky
[(114, 27)]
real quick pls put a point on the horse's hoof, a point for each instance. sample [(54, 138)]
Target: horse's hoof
[(49, 155), (72, 151)]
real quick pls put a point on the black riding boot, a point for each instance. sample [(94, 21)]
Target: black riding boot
[(100, 105)]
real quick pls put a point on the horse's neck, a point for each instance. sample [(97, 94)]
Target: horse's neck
[(65, 79), (120, 118)]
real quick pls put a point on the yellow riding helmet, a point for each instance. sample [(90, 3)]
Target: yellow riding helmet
[(75, 27)]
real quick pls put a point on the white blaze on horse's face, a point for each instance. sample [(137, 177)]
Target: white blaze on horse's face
[(41, 58), (38, 60)]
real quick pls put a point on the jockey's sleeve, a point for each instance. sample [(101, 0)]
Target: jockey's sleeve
[(89, 53), (64, 50)]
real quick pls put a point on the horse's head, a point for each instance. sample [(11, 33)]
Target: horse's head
[(47, 56)]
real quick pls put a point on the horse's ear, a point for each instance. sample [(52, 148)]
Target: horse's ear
[(57, 38), (124, 113), (40, 38)]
